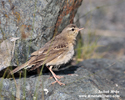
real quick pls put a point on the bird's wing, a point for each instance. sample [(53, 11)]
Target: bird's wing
[(50, 44), (43, 59), (47, 53), (44, 48), (50, 53)]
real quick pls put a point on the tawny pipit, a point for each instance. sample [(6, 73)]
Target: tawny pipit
[(57, 51)]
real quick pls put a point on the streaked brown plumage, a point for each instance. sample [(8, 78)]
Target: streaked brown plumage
[(57, 51)]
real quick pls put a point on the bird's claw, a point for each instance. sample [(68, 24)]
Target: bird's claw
[(60, 83)]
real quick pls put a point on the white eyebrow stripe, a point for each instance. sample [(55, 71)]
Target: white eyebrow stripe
[(70, 28)]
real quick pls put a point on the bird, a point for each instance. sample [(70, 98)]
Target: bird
[(7, 48), (59, 50)]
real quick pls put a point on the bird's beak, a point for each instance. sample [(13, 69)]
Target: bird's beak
[(80, 29)]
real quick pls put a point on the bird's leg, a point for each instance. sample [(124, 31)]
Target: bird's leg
[(55, 76)]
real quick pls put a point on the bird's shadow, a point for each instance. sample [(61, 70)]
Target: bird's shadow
[(63, 70)]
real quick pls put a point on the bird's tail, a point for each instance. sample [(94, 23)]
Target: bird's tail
[(20, 67)]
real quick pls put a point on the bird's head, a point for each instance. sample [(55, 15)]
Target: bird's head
[(72, 30)]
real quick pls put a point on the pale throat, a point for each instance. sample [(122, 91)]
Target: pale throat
[(72, 38)]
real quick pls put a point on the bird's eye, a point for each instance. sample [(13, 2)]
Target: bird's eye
[(72, 29)]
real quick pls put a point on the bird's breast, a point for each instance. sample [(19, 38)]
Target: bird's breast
[(63, 58)]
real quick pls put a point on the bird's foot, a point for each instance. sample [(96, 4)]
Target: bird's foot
[(56, 77), (57, 81)]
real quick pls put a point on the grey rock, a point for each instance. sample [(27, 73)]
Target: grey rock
[(35, 22), (94, 77), (102, 14), (7, 48)]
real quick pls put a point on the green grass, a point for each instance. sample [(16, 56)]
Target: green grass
[(86, 49)]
